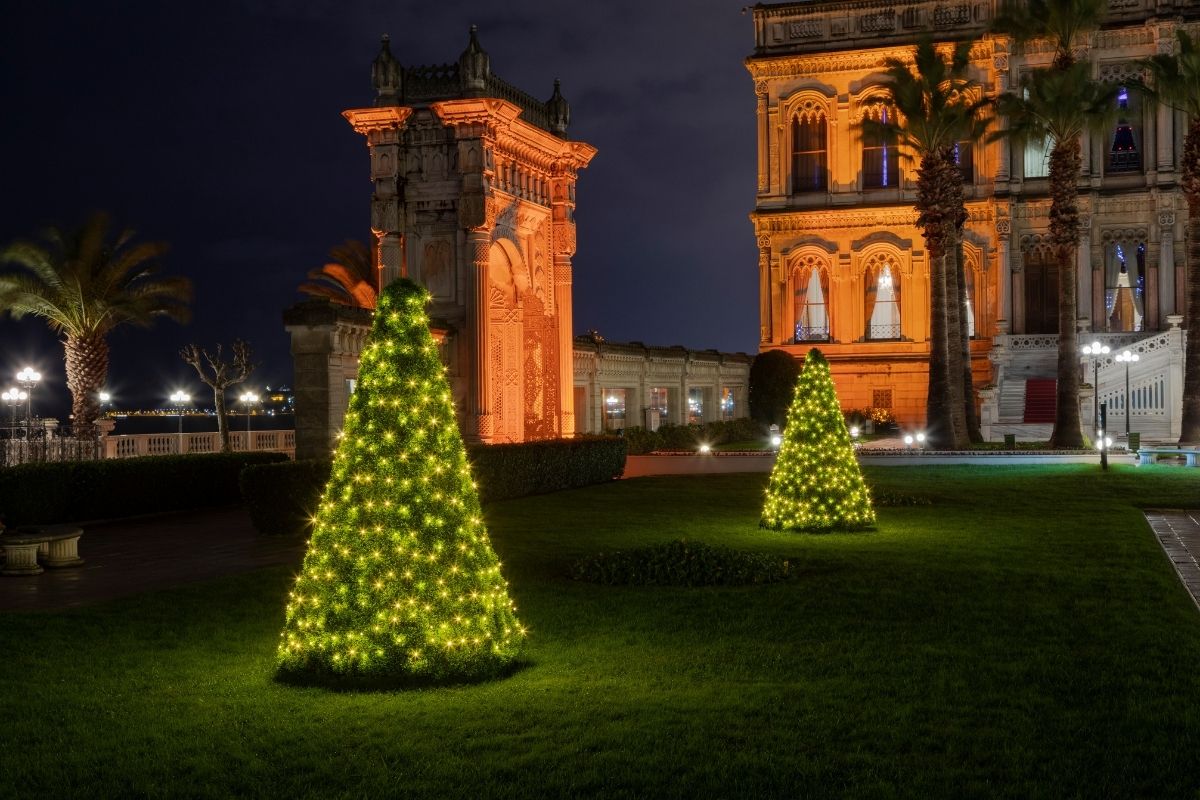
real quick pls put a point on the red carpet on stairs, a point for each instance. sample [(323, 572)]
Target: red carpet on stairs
[(1040, 399)]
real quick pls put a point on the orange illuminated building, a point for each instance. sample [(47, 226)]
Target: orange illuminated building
[(842, 265), (474, 198)]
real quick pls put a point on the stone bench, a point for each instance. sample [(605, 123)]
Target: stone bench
[(58, 546), (1148, 455)]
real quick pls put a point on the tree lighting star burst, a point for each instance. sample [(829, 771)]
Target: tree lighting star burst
[(817, 483), (400, 582)]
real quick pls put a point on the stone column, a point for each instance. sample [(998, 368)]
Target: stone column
[(1166, 265), (1083, 263), (479, 416), (1000, 65), (1004, 271), (566, 346), (764, 289), (764, 183)]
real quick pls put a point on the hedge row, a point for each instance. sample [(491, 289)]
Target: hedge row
[(281, 497), (75, 491), (689, 437)]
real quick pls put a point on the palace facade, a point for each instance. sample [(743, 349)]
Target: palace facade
[(842, 264)]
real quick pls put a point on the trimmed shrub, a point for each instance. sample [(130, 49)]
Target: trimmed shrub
[(680, 563), (689, 437), (641, 441), (773, 377), (76, 491), (516, 470), (282, 497)]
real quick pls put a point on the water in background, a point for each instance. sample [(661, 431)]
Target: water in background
[(199, 423)]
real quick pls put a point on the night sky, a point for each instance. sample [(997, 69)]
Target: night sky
[(216, 127)]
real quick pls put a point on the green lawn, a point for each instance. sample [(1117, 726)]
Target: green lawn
[(1022, 637)]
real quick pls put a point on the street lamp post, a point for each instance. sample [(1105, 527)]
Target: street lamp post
[(1096, 352), (248, 399), (13, 397), (1127, 358), (180, 399), (28, 378)]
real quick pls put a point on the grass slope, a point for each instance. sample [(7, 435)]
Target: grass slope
[(1024, 636)]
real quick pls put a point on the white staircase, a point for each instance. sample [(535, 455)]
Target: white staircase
[(1155, 399)]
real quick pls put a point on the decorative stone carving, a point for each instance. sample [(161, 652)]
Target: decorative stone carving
[(1166, 219), (1003, 227)]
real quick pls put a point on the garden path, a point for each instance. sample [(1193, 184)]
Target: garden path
[(132, 556), (1179, 534)]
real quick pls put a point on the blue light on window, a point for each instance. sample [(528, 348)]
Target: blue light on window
[(1123, 98)]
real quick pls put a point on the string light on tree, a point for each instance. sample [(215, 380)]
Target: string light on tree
[(816, 483), (400, 582)]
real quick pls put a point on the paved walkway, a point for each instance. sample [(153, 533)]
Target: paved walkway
[(1179, 534), (133, 556)]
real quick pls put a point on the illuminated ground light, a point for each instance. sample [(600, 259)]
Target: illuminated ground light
[(400, 582), (816, 483)]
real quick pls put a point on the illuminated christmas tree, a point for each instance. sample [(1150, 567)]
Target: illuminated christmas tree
[(816, 483), (400, 583)]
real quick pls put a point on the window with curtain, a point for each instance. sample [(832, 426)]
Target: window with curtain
[(1037, 158), (811, 308), (969, 309), (1125, 286), (880, 161), (882, 310), (810, 166), (964, 156)]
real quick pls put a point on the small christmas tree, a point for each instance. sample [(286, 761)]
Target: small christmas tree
[(816, 483), (400, 583)]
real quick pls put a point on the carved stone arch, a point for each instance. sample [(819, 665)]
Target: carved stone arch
[(871, 86), (810, 242), (882, 237), (1121, 72), (875, 255), (1123, 236), (808, 103), (1034, 242)]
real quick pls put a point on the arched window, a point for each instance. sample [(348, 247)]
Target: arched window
[(970, 307), (880, 160), (882, 306), (1037, 158), (810, 165), (1124, 153), (1125, 286), (811, 304), (964, 156)]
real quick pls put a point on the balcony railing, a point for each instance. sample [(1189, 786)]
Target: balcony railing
[(810, 333), (883, 332)]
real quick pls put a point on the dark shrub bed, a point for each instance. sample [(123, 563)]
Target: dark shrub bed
[(680, 563), (75, 491), (281, 497), (886, 498)]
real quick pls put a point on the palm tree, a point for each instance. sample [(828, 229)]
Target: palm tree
[(1064, 22), (84, 284), (935, 112), (351, 277), (1060, 105), (1176, 80)]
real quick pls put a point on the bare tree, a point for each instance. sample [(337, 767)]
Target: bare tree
[(215, 371)]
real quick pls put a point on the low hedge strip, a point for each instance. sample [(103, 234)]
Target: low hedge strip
[(282, 497), (504, 471), (74, 491), (689, 437)]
